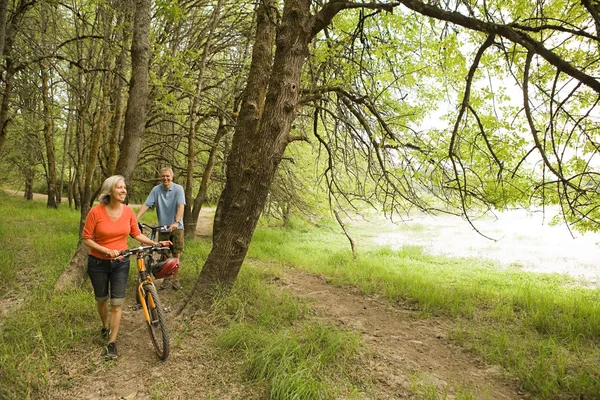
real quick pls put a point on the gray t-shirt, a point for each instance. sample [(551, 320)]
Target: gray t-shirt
[(166, 202)]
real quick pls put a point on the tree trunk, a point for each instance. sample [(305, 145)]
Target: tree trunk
[(117, 90), (115, 133), (260, 139), (28, 193), (75, 273), (193, 121), (9, 34), (49, 139), (135, 116), (8, 88), (191, 223), (66, 148), (3, 11)]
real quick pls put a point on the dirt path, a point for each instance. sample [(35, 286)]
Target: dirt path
[(401, 348)]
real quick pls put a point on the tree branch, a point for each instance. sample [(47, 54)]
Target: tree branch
[(324, 17), (507, 32)]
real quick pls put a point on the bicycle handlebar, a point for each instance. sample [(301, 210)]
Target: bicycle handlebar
[(136, 250), (153, 227)]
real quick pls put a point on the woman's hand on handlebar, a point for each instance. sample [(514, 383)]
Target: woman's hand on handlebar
[(165, 243), (113, 253)]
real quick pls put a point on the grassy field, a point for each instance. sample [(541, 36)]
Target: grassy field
[(542, 328)]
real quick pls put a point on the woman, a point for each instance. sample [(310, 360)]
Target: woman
[(105, 234)]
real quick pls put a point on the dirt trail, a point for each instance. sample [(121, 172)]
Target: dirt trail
[(400, 346)]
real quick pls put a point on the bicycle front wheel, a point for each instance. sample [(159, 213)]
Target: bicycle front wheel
[(157, 325)]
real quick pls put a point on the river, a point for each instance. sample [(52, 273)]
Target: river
[(523, 240)]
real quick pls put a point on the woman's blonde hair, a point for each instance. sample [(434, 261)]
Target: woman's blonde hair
[(107, 188)]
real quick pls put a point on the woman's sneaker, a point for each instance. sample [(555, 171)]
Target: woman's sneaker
[(105, 333), (111, 351)]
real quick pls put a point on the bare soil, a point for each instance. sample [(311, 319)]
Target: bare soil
[(401, 347)]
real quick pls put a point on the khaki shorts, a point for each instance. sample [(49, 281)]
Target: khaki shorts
[(175, 236)]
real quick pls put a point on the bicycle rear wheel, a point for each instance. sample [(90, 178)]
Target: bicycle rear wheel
[(157, 325)]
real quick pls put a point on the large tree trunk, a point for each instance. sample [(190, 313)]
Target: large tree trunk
[(135, 116), (260, 139)]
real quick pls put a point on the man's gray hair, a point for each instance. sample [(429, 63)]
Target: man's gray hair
[(107, 188), (167, 169)]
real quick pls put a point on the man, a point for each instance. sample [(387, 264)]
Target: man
[(169, 200)]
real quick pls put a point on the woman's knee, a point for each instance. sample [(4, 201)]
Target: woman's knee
[(117, 302), (101, 300)]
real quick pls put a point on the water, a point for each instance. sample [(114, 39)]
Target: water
[(524, 240)]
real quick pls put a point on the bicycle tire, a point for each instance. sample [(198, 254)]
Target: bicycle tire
[(157, 326)]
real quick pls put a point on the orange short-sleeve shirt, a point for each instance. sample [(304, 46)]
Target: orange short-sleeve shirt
[(107, 232)]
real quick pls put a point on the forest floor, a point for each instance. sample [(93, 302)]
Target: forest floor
[(399, 348)]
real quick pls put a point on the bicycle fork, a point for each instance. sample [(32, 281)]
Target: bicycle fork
[(142, 293), (152, 305)]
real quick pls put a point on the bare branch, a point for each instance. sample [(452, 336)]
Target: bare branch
[(534, 131)]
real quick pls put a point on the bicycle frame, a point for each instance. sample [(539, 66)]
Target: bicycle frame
[(149, 300), (144, 278)]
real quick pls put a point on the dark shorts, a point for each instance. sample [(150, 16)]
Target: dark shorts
[(108, 275), (175, 236)]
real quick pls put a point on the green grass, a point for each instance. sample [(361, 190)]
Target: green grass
[(37, 245), (298, 363), (294, 357), (544, 329)]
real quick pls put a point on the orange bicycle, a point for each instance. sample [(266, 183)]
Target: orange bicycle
[(151, 267)]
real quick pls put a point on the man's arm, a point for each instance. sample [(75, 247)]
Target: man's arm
[(178, 217), (179, 213)]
